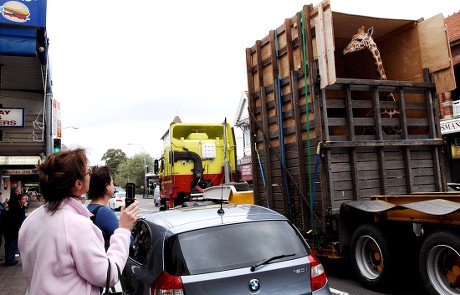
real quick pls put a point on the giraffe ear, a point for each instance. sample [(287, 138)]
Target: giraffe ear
[(370, 31)]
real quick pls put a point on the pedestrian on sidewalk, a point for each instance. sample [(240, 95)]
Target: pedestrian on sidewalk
[(62, 250), (14, 217), (2, 215)]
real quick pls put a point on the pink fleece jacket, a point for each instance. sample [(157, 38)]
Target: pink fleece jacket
[(63, 253)]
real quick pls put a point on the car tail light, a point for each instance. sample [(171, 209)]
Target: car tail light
[(318, 275), (167, 284)]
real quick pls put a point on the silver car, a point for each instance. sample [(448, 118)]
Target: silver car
[(233, 249)]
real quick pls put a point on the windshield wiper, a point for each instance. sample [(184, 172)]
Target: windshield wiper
[(267, 261)]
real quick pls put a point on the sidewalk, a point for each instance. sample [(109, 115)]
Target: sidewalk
[(12, 280)]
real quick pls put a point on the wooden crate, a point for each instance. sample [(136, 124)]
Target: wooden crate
[(315, 114)]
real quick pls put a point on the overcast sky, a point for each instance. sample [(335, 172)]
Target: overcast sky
[(122, 70)]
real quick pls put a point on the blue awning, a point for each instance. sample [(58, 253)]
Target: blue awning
[(19, 42)]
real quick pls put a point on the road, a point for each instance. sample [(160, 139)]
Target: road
[(146, 206), (341, 277)]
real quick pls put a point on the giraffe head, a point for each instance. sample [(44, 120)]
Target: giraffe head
[(361, 40)]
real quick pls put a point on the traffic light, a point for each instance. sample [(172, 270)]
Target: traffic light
[(56, 145)]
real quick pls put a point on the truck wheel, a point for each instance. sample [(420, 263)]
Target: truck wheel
[(439, 263), (372, 257), (163, 204)]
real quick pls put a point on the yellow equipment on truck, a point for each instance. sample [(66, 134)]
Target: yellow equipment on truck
[(195, 157)]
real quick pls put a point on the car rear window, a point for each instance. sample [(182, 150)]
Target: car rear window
[(231, 246)]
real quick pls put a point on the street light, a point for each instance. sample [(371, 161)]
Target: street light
[(145, 168)]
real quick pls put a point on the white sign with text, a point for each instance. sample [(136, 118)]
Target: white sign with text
[(11, 117)]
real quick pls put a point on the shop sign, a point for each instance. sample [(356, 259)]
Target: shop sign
[(24, 13), (11, 117), (19, 171), (56, 118), (450, 126), (19, 160), (245, 160)]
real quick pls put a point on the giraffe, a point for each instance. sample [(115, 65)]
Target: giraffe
[(363, 40)]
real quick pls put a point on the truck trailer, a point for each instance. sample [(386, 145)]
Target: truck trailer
[(346, 141)]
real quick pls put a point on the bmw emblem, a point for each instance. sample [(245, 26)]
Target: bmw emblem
[(254, 285)]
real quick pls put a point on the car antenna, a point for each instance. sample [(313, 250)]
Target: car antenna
[(221, 210), (224, 129)]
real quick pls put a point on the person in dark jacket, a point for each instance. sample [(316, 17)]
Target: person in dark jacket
[(2, 214), (12, 221)]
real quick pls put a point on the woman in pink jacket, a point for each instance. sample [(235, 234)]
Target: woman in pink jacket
[(62, 251)]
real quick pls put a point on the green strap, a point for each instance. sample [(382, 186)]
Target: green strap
[(307, 91)]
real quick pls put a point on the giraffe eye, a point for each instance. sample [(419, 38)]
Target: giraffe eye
[(359, 39)]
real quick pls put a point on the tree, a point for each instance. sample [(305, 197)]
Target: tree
[(132, 170), (113, 158)]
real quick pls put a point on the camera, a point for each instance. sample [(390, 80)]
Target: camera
[(130, 188)]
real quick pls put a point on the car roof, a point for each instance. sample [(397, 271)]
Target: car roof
[(189, 218)]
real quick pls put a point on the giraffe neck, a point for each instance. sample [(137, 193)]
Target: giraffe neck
[(379, 68), (377, 61)]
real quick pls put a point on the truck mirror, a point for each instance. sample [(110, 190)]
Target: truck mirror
[(155, 166)]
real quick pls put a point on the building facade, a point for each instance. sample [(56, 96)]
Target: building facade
[(450, 104), (26, 101)]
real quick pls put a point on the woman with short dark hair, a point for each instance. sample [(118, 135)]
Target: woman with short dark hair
[(62, 250), (100, 191)]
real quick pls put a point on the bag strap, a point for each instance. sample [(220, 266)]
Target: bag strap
[(108, 289), (93, 218)]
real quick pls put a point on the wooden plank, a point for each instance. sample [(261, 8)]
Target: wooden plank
[(350, 118), (329, 44), (312, 96), (275, 75), (324, 118), (321, 46), (445, 80), (252, 124), (369, 83), (402, 111), (374, 143), (383, 171), (303, 181), (434, 44), (408, 168), (265, 130), (377, 117)]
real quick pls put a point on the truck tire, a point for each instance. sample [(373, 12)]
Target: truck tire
[(163, 204), (439, 263), (373, 258)]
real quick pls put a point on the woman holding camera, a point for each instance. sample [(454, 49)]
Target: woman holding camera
[(62, 250)]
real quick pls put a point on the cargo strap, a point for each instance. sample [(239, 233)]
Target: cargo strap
[(307, 91), (280, 115), (263, 177)]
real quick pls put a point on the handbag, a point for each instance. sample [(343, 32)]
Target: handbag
[(111, 290)]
